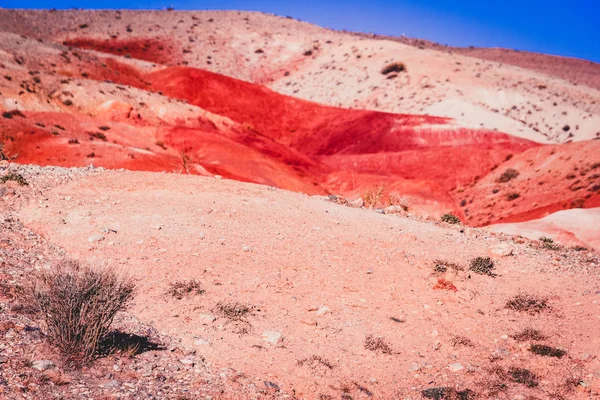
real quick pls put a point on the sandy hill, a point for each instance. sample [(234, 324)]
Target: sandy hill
[(344, 69), (189, 92)]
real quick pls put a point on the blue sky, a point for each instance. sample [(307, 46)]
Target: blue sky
[(570, 28)]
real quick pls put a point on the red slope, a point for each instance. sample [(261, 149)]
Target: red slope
[(279, 140)]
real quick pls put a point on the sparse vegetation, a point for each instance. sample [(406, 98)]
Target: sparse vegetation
[(528, 303), (315, 361), (548, 243), (395, 67), (529, 334), (16, 177), (97, 135), (508, 175), (450, 219), (78, 304), (546, 351), (461, 341), (179, 289), (523, 376), (233, 311), (372, 196), (375, 343), (447, 393), (442, 266), (512, 196), (482, 266)]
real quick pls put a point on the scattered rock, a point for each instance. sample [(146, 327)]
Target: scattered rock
[(95, 238), (42, 365), (322, 311), (358, 203), (455, 367), (272, 337), (502, 250)]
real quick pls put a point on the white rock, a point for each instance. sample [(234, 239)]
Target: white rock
[(272, 337), (42, 365), (206, 319), (455, 367), (322, 311), (201, 342), (95, 238)]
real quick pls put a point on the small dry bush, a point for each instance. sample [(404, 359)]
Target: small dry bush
[(233, 311), (78, 304), (447, 393), (482, 266), (375, 343), (179, 289), (461, 341), (523, 376), (237, 314), (508, 175), (372, 196), (442, 266), (528, 303), (315, 361), (450, 219), (13, 176), (529, 334), (546, 351), (548, 243), (393, 67)]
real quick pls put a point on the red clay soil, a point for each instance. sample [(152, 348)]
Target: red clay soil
[(279, 140), (152, 50)]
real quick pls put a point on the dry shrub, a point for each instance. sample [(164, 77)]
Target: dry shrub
[(237, 314), (461, 341), (374, 343), (528, 303), (529, 334), (13, 176), (508, 175), (442, 266), (447, 393), (450, 219), (393, 67), (372, 196), (179, 289), (314, 361), (482, 266), (78, 304), (523, 376), (546, 351)]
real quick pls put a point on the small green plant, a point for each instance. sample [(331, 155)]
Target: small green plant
[(523, 376), (528, 303), (450, 219), (13, 176), (393, 67), (546, 351), (508, 175), (483, 266)]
